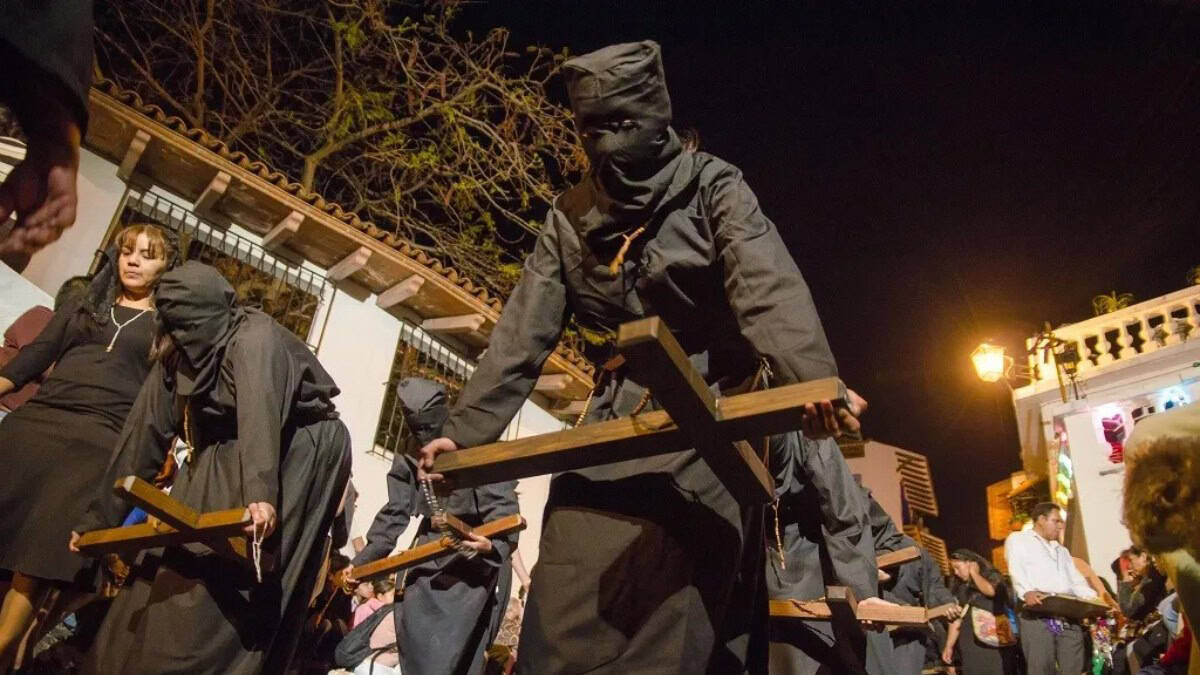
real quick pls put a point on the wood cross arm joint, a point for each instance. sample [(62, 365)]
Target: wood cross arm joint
[(172, 523), (839, 599), (726, 431), (898, 557), (436, 549)]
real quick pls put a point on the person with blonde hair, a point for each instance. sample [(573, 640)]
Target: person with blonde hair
[(56, 446)]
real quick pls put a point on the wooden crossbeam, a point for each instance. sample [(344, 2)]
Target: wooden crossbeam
[(283, 231), (400, 292), (453, 523), (173, 522), (215, 524), (454, 325), (435, 549), (212, 192), (893, 558), (660, 363), (355, 261), (1069, 606), (771, 411), (841, 598), (133, 154)]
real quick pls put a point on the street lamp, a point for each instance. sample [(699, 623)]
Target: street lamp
[(990, 361)]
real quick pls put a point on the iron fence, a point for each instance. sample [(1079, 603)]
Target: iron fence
[(417, 355), (290, 293)]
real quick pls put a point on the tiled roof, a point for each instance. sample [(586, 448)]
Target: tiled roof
[(283, 182)]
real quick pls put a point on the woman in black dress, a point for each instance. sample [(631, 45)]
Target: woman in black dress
[(255, 407), (55, 448), (981, 590)]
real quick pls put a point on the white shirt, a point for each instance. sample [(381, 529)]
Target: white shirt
[(1046, 566)]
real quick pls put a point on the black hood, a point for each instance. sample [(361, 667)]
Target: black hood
[(632, 167), (196, 306), (425, 407)]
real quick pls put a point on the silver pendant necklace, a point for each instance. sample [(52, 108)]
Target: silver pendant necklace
[(112, 312)]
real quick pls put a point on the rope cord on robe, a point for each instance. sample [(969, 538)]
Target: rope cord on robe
[(617, 260)]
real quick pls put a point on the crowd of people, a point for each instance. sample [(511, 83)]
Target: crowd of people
[(645, 565)]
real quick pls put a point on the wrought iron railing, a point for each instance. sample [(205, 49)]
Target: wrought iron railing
[(290, 293), (417, 355)]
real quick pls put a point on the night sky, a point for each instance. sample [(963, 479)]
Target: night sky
[(942, 173)]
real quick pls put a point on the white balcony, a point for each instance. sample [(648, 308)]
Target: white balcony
[(1120, 339)]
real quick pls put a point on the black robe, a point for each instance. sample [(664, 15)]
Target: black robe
[(265, 430), (916, 583), (650, 565), (448, 610), (826, 540)]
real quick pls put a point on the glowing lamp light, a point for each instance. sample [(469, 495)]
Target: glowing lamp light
[(990, 362)]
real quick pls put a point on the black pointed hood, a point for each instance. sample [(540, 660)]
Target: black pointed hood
[(197, 307)]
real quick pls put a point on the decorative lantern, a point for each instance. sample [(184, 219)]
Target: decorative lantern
[(990, 362)]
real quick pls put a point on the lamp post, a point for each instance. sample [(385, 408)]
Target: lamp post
[(992, 364)]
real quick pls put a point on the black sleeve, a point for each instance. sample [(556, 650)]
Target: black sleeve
[(141, 450), (495, 501), (844, 521), (766, 291), (391, 520), (264, 382), (525, 336), (37, 356), (47, 38)]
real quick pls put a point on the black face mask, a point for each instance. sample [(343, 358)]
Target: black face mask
[(623, 114), (197, 307)]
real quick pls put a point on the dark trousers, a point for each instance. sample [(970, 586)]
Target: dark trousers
[(1043, 649)]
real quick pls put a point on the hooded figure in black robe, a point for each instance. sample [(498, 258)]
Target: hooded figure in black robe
[(824, 540), (916, 583), (262, 424), (649, 565), (449, 609)]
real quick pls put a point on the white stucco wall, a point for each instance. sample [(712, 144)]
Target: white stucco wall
[(880, 472)]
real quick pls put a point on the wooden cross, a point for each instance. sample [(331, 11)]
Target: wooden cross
[(692, 418), (172, 523), (436, 549), (840, 600), (897, 557)]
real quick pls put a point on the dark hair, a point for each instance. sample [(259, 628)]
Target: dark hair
[(338, 562), (106, 285), (71, 291), (1162, 494), (1043, 509), (382, 586)]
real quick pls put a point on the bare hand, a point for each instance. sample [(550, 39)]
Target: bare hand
[(1034, 598), (41, 191), (948, 656), (883, 576), (348, 576), (73, 545), (822, 420), (955, 612), (973, 568), (429, 453), (875, 602), (262, 516), (479, 543)]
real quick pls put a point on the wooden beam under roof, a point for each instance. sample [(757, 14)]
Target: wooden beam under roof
[(285, 218)]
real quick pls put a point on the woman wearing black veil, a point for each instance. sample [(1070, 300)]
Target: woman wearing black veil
[(983, 633), (55, 448), (254, 405)]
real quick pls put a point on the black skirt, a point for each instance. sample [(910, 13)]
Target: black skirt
[(53, 462)]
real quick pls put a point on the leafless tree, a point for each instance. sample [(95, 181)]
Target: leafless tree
[(375, 104)]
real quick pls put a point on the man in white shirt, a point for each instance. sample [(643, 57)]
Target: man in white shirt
[(1040, 565)]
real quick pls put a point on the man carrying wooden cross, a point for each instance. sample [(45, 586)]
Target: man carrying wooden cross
[(255, 408), (449, 608), (648, 565)]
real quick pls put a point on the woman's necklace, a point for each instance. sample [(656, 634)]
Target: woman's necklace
[(112, 311)]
